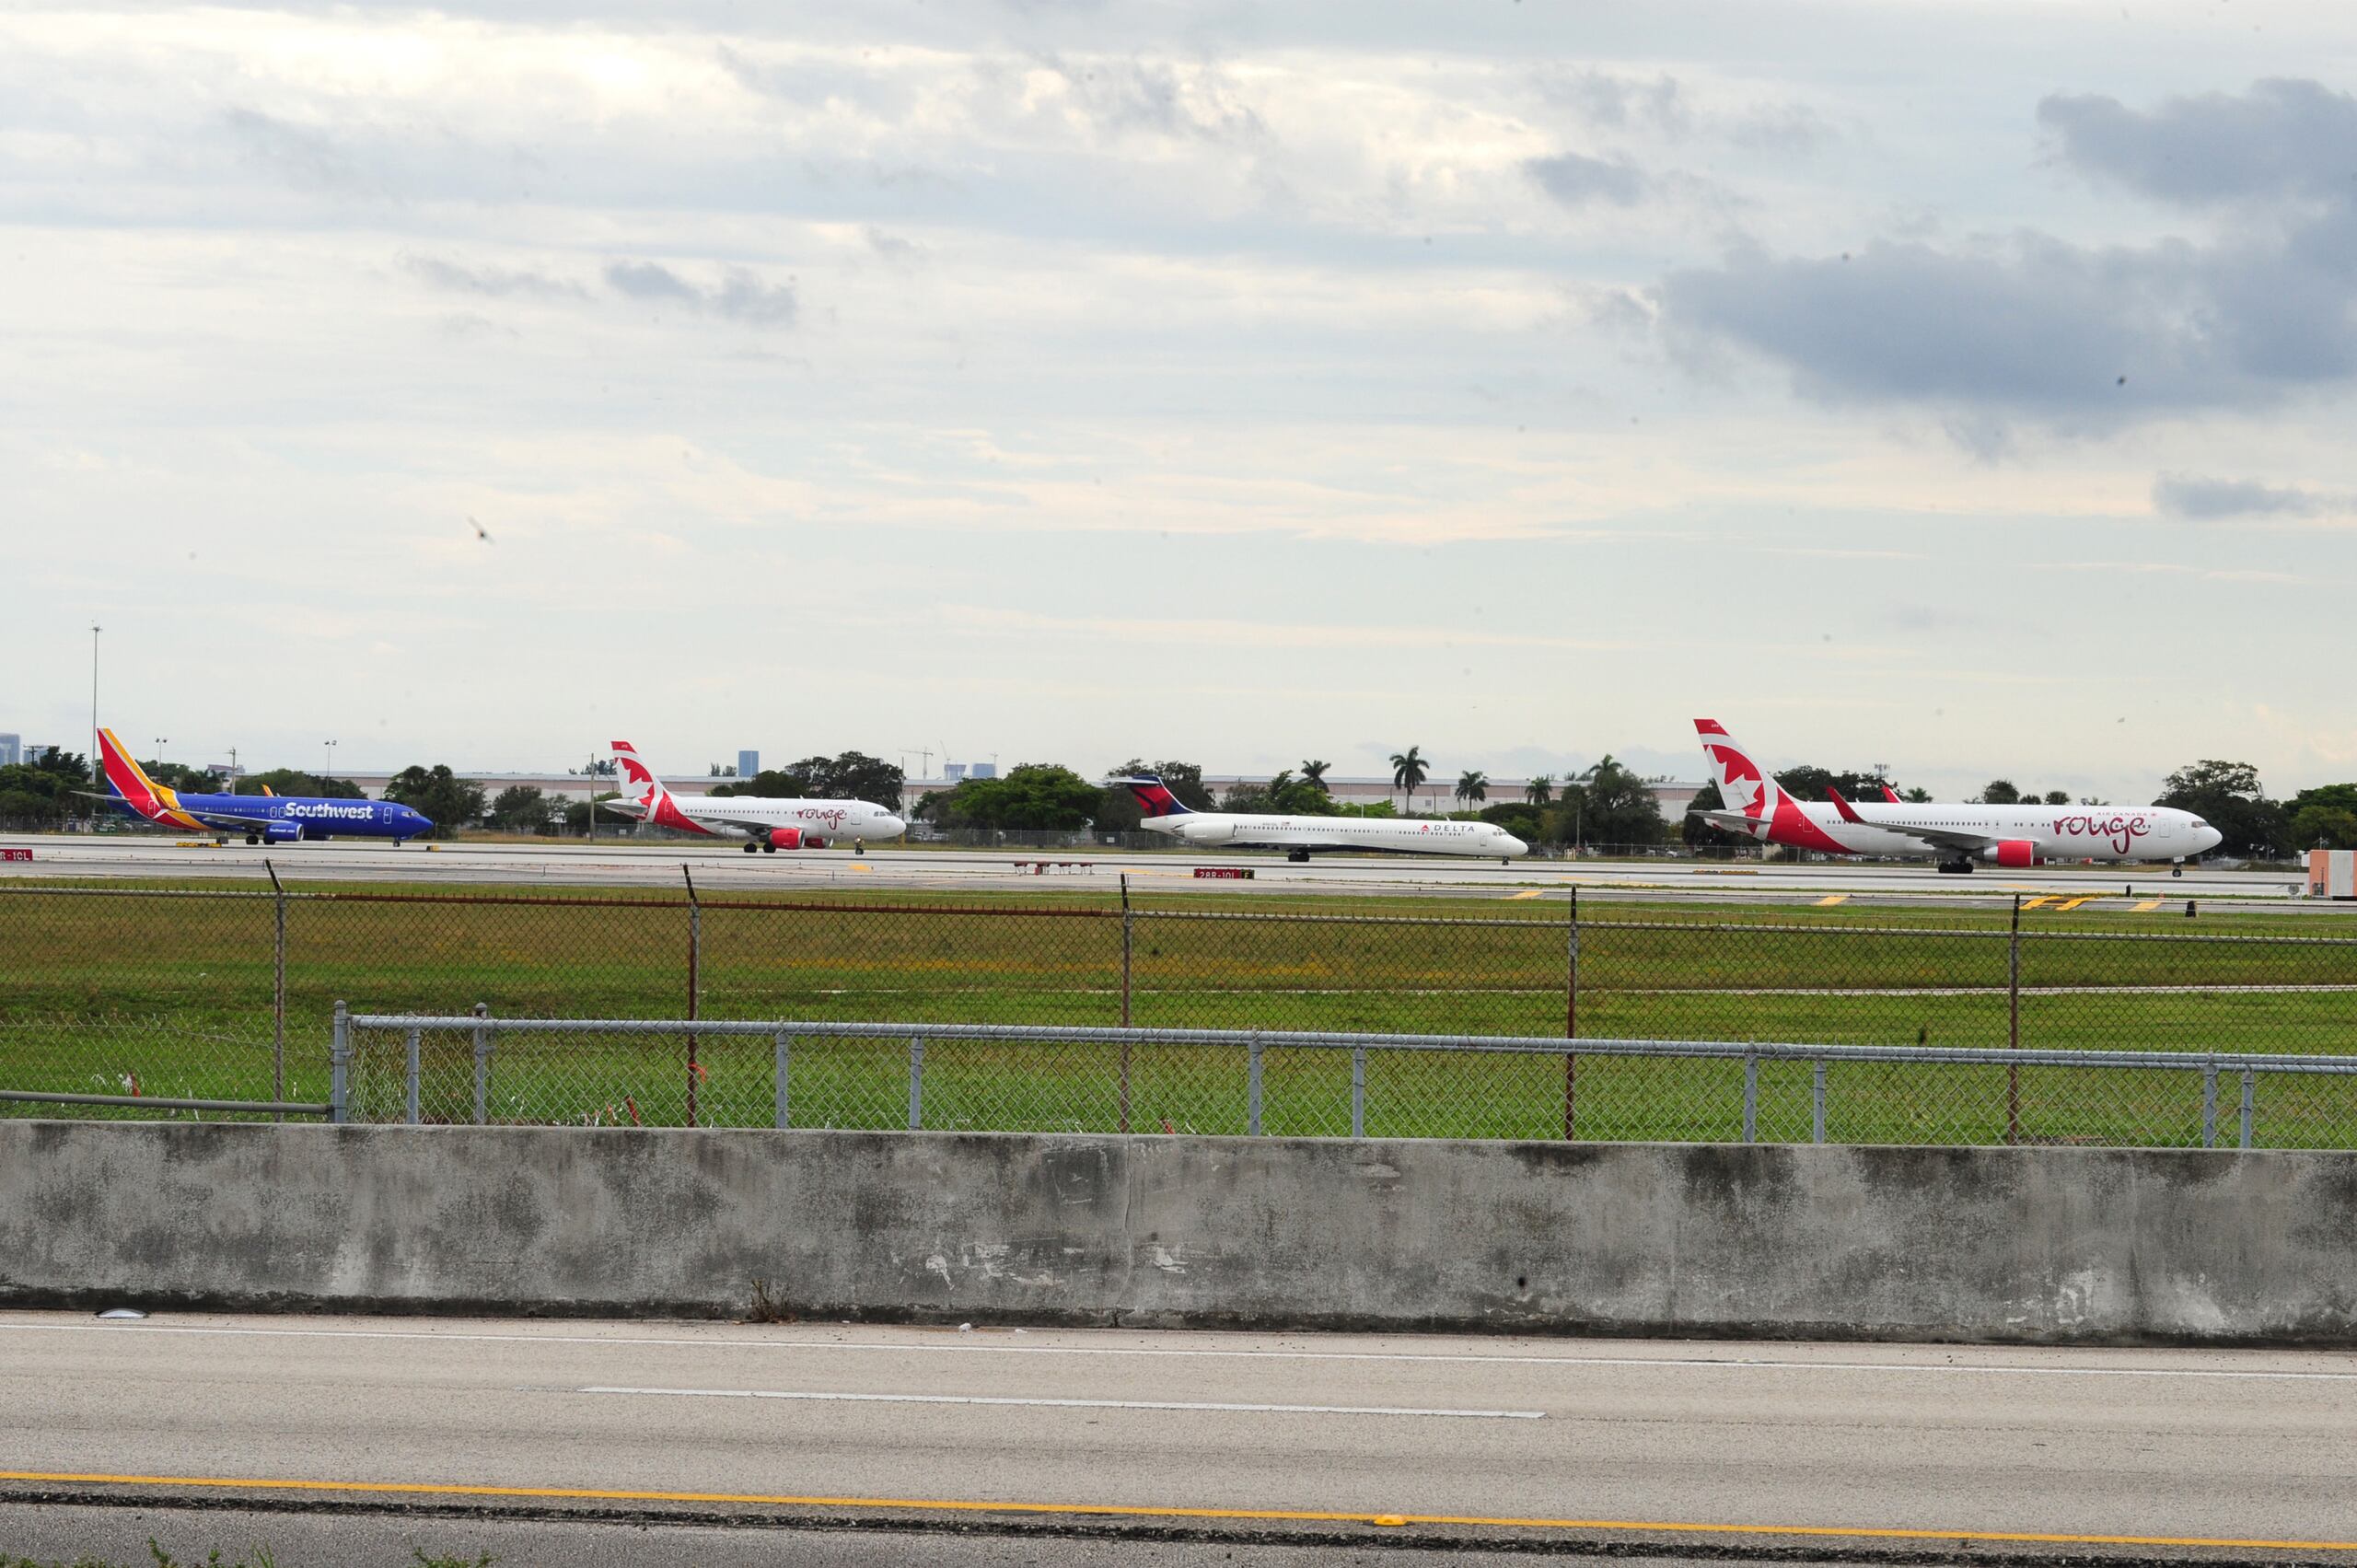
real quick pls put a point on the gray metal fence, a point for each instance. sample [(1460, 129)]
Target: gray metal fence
[(476, 1068)]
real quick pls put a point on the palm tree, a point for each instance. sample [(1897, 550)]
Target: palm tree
[(1540, 790), (1313, 773), (1408, 771), (1472, 786)]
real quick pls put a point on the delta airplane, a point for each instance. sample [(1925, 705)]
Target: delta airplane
[(264, 819), (773, 824), (1759, 808), (1162, 813)]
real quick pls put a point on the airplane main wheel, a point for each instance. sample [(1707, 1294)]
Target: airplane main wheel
[(769, 849), (1298, 856), (253, 838), (751, 847), (2177, 870)]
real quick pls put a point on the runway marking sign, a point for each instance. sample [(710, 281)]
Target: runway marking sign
[(2041, 899), (2148, 906), (1830, 899), (2067, 905), (1526, 893)]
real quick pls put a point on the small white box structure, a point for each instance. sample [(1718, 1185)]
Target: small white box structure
[(2332, 873)]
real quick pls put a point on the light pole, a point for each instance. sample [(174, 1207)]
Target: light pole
[(233, 769), (162, 741), (331, 772), (94, 630)]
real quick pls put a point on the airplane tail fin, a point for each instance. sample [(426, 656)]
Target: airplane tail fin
[(126, 780), (1745, 786), (640, 787), (1154, 796), (1890, 794)]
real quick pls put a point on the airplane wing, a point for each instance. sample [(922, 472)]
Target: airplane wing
[(1732, 821), (1956, 838)]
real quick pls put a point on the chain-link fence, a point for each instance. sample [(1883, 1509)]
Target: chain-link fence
[(209, 994)]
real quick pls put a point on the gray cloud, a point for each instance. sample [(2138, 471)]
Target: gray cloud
[(2282, 138), (2039, 327), (1575, 180), (306, 158), (2201, 499), (495, 282), (740, 297), (1618, 103)]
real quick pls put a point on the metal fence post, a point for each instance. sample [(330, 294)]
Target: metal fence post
[(340, 1066), (2248, 1080), (2013, 1026), (916, 1084), (410, 1074), (1816, 1102), (1751, 1098), (1128, 948), (482, 1063), (785, 1049), (277, 988), (695, 959), (2209, 1105), (1572, 1018), (1358, 1091), (1252, 1085)]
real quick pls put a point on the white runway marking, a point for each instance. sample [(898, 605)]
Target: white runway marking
[(964, 1347), (1071, 1404)]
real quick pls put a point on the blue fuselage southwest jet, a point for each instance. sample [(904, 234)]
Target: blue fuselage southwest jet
[(264, 819)]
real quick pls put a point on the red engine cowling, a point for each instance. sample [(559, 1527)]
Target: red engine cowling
[(2016, 853), (785, 838)]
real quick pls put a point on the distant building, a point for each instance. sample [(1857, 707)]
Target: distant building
[(748, 764), (12, 751), (981, 770)]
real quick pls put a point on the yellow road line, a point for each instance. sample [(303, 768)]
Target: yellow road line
[(1830, 899), (1149, 1511), (2041, 899), (2148, 906)]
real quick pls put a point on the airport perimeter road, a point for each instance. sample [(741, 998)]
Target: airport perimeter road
[(1752, 1449), (725, 868)]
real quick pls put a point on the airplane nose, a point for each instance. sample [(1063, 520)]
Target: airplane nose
[(2212, 838), (891, 828), (1512, 845)]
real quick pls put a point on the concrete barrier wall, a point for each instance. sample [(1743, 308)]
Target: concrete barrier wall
[(2034, 1245)]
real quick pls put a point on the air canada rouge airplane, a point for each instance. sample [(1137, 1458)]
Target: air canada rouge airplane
[(773, 823), (264, 819), (1162, 813), (1759, 808)]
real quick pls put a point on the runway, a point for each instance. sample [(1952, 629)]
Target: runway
[(724, 867), (1743, 1450)]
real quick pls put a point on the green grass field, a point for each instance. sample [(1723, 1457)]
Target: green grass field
[(175, 993)]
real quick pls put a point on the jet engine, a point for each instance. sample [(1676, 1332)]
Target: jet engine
[(281, 832), (2015, 853), (785, 838)]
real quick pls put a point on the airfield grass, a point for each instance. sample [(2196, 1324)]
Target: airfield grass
[(99, 991)]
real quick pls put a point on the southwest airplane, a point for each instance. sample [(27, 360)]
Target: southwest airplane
[(264, 819), (1162, 813), (773, 824), (1759, 808)]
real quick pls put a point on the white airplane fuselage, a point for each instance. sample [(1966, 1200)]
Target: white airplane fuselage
[(2049, 832), (1381, 835)]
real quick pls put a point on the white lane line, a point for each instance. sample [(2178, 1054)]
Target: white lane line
[(1698, 1363), (832, 1398)]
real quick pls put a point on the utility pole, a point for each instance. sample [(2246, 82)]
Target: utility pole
[(96, 771), (233, 769), (593, 797)]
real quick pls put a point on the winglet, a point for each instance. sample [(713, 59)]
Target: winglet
[(1890, 793), (1849, 812)]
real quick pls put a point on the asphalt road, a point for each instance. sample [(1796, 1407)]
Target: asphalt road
[(725, 867), (1749, 1449)]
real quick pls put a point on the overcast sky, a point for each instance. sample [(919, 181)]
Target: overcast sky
[(1961, 387)]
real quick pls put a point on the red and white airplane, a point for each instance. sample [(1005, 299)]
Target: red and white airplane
[(1759, 808), (771, 822)]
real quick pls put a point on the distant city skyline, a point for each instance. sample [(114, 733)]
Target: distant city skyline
[(1959, 387)]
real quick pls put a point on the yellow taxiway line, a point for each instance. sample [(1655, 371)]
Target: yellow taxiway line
[(2067, 905), (1830, 899), (2148, 906), (1150, 1511), (2041, 899), (1526, 893)]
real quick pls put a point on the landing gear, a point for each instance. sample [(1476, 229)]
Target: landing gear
[(253, 838), (1298, 856), (1956, 867), (750, 847), (2176, 868), (769, 849)]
